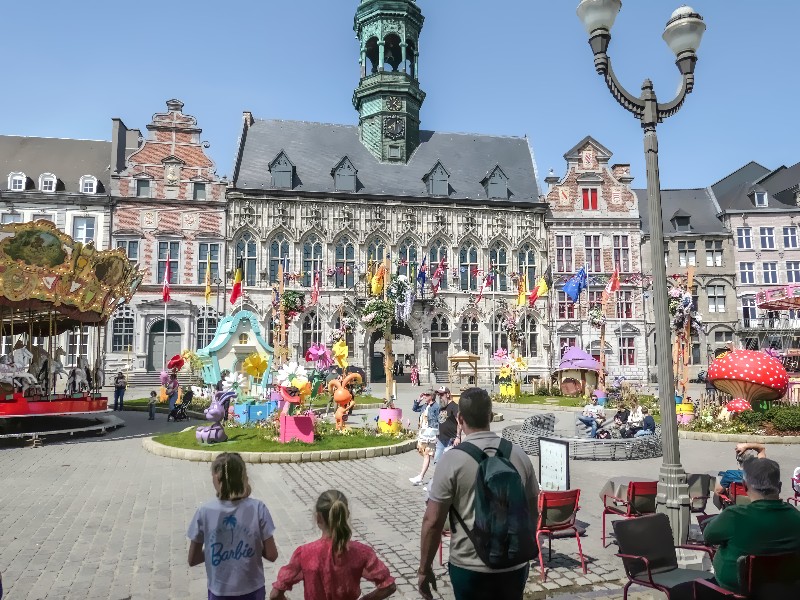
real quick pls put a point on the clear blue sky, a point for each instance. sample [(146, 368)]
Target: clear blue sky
[(511, 67)]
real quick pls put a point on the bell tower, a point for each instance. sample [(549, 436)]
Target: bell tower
[(388, 97)]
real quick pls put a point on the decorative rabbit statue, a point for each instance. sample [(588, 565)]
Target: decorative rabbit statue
[(343, 396), (214, 433)]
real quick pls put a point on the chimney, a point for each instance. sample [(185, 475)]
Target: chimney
[(118, 139), (174, 105), (551, 180), (622, 173)]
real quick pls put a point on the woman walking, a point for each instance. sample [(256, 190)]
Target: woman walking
[(428, 431)]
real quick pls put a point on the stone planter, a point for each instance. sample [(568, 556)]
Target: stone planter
[(390, 420), (300, 428)]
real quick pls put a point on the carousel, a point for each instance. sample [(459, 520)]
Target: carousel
[(50, 284), (782, 300)]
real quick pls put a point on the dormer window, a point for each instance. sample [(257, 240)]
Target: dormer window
[(496, 183), (344, 176), (16, 182), (88, 184), (198, 191), (438, 180), (47, 182), (282, 171), (760, 198), (682, 224)]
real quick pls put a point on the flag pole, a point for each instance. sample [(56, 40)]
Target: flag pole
[(164, 333), (387, 334)]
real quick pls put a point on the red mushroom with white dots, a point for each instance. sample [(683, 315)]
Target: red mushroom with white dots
[(748, 375)]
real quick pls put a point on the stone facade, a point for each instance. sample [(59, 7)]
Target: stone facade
[(168, 202), (594, 223)]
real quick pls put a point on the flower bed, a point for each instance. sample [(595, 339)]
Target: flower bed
[(777, 421)]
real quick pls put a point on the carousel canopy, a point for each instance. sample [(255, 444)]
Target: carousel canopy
[(781, 298), (51, 283), (575, 358)]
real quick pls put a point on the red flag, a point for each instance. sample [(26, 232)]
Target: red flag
[(487, 283), (167, 276), (315, 289), (236, 291), (612, 285), (436, 280), (533, 296)]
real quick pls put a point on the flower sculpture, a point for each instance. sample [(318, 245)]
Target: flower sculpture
[(319, 354), (293, 383), (500, 354), (519, 364), (176, 363), (255, 365), (340, 352), (505, 374), (234, 382)]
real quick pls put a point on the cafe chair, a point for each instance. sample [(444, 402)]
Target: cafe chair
[(641, 501), (557, 512), (735, 495), (766, 577), (699, 493), (445, 534), (648, 554), (795, 486)]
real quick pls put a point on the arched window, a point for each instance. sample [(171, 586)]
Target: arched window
[(499, 335), (498, 259), (122, 330), (278, 250), (529, 337), (469, 334), (527, 265), (437, 252), (468, 259), (376, 250), (247, 250), (345, 262), (440, 327), (312, 260), (408, 259), (312, 332), (349, 336), (206, 326)]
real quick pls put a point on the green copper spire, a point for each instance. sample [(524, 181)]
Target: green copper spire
[(388, 98)]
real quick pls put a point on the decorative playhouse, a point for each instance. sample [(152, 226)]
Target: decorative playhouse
[(577, 372)]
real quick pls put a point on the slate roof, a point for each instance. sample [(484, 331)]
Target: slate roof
[(750, 172), (779, 185), (697, 203), (67, 159), (314, 148)]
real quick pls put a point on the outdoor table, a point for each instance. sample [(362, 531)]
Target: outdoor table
[(618, 486)]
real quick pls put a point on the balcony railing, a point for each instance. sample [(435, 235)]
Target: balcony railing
[(769, 324)]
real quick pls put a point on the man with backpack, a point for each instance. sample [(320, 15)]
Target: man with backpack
[(488, 488)]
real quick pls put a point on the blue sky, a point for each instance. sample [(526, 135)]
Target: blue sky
[(510, 67)]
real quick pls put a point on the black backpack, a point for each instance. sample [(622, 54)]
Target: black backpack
[(504, 534)]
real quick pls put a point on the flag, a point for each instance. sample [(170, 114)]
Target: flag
[(236, 292), (612, 285), (522, 286), (208, 277), (315, 285), (542, 287), (487, 283), (167, 276), (436, 280), (576, 284), (422, 274), (378, 280), (285, 263)]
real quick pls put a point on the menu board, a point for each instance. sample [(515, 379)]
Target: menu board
[(553, 464)]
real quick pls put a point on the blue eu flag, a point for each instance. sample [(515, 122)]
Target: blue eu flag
[(576, 284)]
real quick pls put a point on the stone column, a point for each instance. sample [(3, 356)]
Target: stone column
[(416, 65), (381, 55), (363, 63), (403, 48)]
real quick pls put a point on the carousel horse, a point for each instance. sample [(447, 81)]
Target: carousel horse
[(45, 368), (17, 378), (343, 396), (78, 378), (214, 433)]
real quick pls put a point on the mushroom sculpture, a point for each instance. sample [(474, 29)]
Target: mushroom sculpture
[(752, 377)]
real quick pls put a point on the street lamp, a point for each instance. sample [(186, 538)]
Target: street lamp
[(682, 34)]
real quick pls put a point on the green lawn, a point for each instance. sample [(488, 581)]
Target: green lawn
[(318, 402), (554, 400), (253, 440)]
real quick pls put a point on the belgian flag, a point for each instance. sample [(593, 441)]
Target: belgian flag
[(236, 292)]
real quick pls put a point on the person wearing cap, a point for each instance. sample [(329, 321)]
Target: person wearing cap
[(449, 429), (744, 452), (765, 526)]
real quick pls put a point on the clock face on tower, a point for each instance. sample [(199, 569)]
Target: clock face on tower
[(394, 128), (394, 103)]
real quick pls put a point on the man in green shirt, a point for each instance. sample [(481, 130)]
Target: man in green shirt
[(765, 526)]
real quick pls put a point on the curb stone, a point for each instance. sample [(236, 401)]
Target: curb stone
[(738, 437), (154, 447)]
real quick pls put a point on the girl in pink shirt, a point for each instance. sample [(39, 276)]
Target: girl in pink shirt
[(332, 567)]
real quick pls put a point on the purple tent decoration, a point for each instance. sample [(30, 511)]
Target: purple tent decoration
[(575, 358)]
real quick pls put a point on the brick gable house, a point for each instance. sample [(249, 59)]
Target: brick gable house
[(169, 203)]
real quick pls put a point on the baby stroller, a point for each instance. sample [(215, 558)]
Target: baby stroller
[(179, 412)]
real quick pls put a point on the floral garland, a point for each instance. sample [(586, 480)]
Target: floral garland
[(347, 326), (681, 309), (293, 303), (378, 314), (596, 316), (512, 330)]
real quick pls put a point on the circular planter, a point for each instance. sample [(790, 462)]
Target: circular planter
[(158, 449)]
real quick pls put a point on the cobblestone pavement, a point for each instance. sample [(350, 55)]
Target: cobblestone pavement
[(101, 518)]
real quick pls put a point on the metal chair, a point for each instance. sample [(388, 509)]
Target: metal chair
[(795, 486), (445, 534), (735, 496), (699, 493), (767, 577), (641, 501), (557, 512), (648, 554)]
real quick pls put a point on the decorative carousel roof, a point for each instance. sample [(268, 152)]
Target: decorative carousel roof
[(575, 358)]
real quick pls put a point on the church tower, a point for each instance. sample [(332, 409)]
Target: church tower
[(388, 97)]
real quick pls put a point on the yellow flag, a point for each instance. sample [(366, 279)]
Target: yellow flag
[(521, 287), (208, 276)]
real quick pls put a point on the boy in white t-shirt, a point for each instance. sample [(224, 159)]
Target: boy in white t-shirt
[(231, 534)]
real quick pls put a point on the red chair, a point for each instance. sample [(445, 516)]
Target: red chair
[(795, 485), (641, 501), (557, 512), (445, 534), (736, 495), (767, 577)]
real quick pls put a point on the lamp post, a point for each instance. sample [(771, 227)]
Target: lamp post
[(682, 34)]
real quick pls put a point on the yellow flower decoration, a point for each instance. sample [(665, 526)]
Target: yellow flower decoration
[(340, 352), (519, 364), (255, 365), (505, 371)]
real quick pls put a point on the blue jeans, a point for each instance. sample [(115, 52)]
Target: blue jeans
[(151, 409), (440, 448), (643, 432), (173, 398), (119, 395), (590, 422), (474, 585)]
